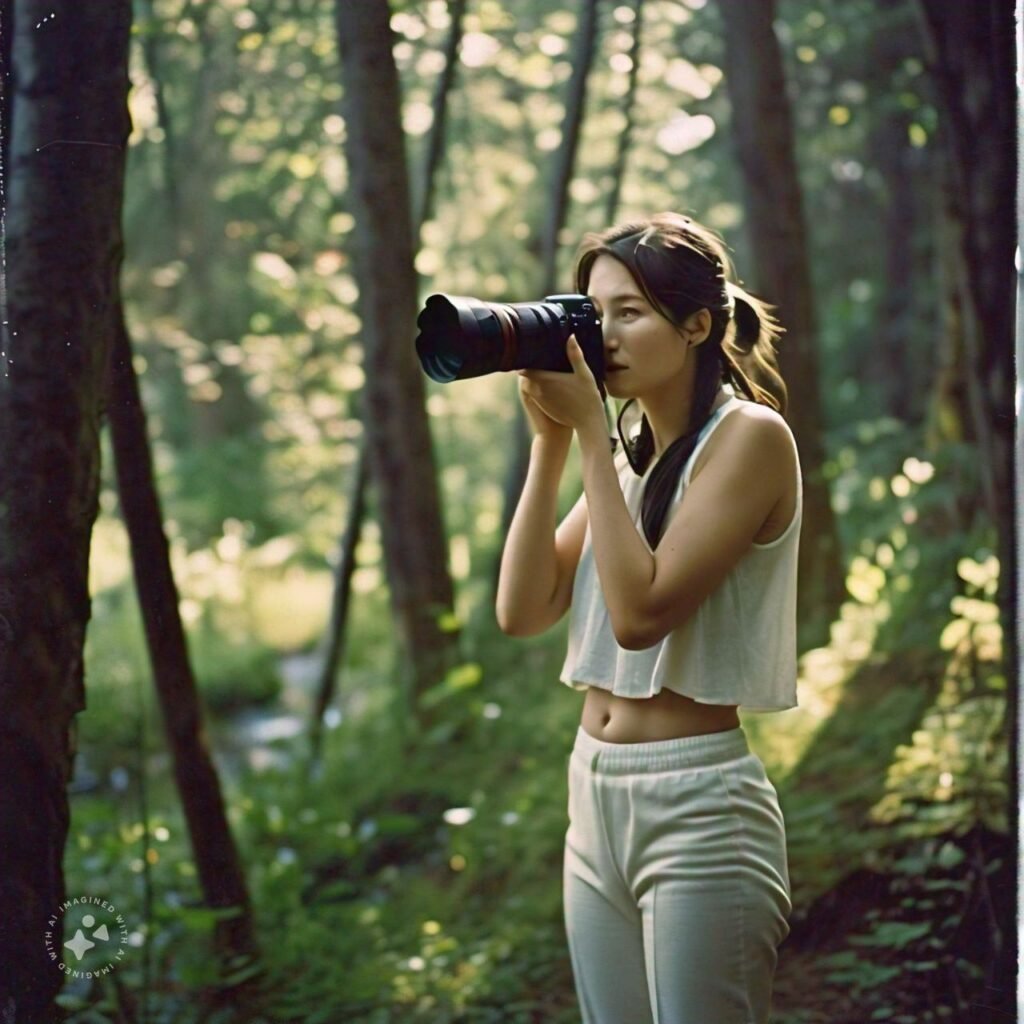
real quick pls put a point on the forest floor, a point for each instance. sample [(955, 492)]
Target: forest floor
[(358, 866), (836, 897)]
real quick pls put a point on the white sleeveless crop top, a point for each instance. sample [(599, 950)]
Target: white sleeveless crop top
[(739, 647)]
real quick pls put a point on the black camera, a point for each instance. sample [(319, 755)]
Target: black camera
[(463, 337)]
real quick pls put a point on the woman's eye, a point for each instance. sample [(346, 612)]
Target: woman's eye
[(629, 311)]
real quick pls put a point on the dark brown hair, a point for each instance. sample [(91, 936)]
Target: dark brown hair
[(681, 267)]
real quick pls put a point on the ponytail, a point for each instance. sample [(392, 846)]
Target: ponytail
[(748, 350)]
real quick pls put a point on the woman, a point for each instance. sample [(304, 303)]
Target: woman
[(679, 565)]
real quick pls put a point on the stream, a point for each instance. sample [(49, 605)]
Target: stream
[(248, 739)]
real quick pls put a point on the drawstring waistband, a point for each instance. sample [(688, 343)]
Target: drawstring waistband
[(661, 755)]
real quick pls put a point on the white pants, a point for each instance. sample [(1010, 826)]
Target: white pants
[(676, 882)]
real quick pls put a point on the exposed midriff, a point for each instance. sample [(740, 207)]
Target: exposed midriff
[(665, 716)]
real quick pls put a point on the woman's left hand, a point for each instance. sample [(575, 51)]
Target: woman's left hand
[(569, 398)]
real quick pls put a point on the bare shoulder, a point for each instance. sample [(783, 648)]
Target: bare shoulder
[(761, 422), (749, 410), (751, 432)]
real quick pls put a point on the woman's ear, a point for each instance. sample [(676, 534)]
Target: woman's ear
[(696, 327)]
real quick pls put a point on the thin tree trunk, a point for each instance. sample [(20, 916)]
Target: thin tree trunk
[(948, 417), (970, 57), (565, 155), (335, 637), (6, 104), (221, 876), (885, 354), (886, 369), (763, 131), (148, 32), (628, 108), (557, 210), (220, 871), (436, 138), (64, 171), (397, 429), (340, 601)]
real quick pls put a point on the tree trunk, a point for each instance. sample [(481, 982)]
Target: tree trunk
[(887, 367), (335, 639), (763, 133), (948, 416), (334, 646), (558, 206), (436, 138), (221, 876), (148, 29), (971, 63), (565, 155), (397, 430), (970, 57), (628, 105), (64, 171), (885, 364)]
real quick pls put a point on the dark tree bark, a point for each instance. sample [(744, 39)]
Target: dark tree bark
[(970, 56), (340, 600), (64, 171), (763, 132), (436, 137), (884, 363), (397, 430), (565, 155), (948, 414), (6, 85), (221, 876), (334, 645), (628, 107), (148, 29), (557, 210)]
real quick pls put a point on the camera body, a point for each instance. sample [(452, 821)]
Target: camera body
[(586, 325), (463, 337)]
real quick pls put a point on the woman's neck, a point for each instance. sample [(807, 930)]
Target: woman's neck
[(669, 418)]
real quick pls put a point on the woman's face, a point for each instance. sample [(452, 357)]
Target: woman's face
[(644, 353)]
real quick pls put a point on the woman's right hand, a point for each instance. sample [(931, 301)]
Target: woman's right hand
[(541, 423)]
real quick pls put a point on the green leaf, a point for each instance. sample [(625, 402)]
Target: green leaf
[(895, 934), (398, 824)]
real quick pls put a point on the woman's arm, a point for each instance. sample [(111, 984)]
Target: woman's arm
[(539, 562), (648, 595)]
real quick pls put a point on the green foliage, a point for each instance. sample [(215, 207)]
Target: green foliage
[(953, 775), (420, 881), (917, 955), (432, 874)]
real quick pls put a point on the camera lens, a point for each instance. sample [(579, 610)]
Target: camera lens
[(449, 335), (464, 337)]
